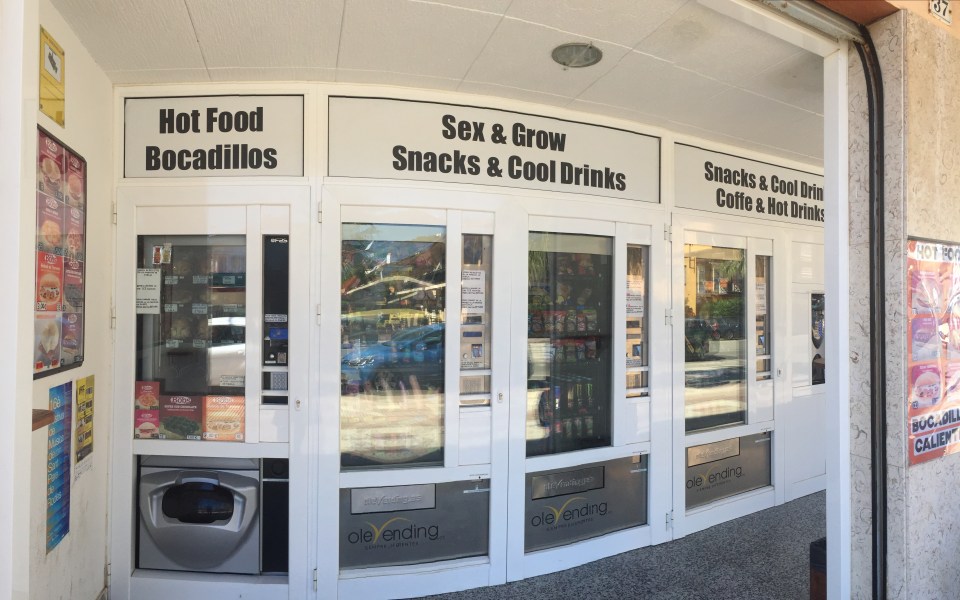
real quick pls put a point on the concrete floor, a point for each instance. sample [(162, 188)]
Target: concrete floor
[(763, 556)]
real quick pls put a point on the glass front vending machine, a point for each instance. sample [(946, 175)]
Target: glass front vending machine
[(214, 379), (587, 411)]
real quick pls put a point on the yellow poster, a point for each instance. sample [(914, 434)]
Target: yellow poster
[(52, 78), (84, 418)]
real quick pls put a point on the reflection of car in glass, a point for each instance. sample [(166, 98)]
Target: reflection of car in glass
[(226, 356), (728, 328), (697, 332), (414, 352)]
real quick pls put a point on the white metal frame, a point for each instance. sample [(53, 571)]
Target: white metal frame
[(460, 212), (190, 210), (634, 224), (753, 240)]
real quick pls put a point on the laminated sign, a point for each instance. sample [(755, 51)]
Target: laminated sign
[(933, 349)]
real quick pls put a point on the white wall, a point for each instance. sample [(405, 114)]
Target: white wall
[(75, 568), (19, 90)]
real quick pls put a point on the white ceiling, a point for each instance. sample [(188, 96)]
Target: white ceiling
[(671, 63)]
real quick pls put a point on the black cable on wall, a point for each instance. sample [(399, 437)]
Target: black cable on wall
[(878, 370)]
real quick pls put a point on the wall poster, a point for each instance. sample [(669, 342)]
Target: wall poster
[(933, 349), (58, 324), (84, 427), (58, 465)]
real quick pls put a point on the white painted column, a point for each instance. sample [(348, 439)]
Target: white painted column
[(18, 19), (836, 246)]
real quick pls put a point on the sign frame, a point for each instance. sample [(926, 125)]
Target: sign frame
[(56, 242), (236, 146)]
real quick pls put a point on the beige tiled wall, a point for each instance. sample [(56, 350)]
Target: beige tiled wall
[(920, 64)]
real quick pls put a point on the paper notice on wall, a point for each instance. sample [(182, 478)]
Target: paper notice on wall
[(148, 291), (635, 293), (473, 292), (761, 298)]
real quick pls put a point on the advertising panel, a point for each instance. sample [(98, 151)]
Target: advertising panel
[(727, 468), (58, 464), (406, 525), (428, 141), (213, 136), (568, 505), (933, 349), (733, 185), (60, 253)]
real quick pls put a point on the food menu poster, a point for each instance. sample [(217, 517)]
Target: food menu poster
[(58, 465), (84, 429), (58, 323), (933, 349)]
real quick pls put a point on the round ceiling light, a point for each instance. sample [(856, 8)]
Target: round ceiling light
[(576, 55)]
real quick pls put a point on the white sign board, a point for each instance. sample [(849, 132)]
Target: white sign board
[(473, 288), (424, 141), (213, 136), (148, 291), (733, 185)]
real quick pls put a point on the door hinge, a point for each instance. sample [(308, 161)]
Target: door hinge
[(669, 520), (318, 314), (319, 215), (668, 317), (113, 317), (106, 575), (114, 209), (668, 232), (315, 581)]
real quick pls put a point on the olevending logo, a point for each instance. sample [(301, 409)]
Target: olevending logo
[(74, 162), (181, 399), (569, 513), (394, 532), (707, 480), (51, 145)]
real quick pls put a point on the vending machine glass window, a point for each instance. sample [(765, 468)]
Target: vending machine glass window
[(392, 321), (715, 365), (476, 277), (191, 338), (637, 356), (818, 370), (763, 331), (568, 342)]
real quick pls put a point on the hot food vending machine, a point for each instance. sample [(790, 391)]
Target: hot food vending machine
[(211, 368)]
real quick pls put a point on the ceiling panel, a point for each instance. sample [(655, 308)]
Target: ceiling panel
[(624, 22), (797, 80), (272, 74), (518, 55), (125, 35), (502, 91), (699, 39), (670, 63), (649, 85), (398, 79), (492, 6), (410, 37), (617, 112), (253, 33), (749, 116), (147, 76)]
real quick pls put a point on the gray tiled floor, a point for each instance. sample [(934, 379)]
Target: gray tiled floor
[(764, 556)]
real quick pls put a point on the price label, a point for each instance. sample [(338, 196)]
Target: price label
[(941, 10), (170, 308), (200, 279), (172, 343), (171, 279), (199, 309)]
